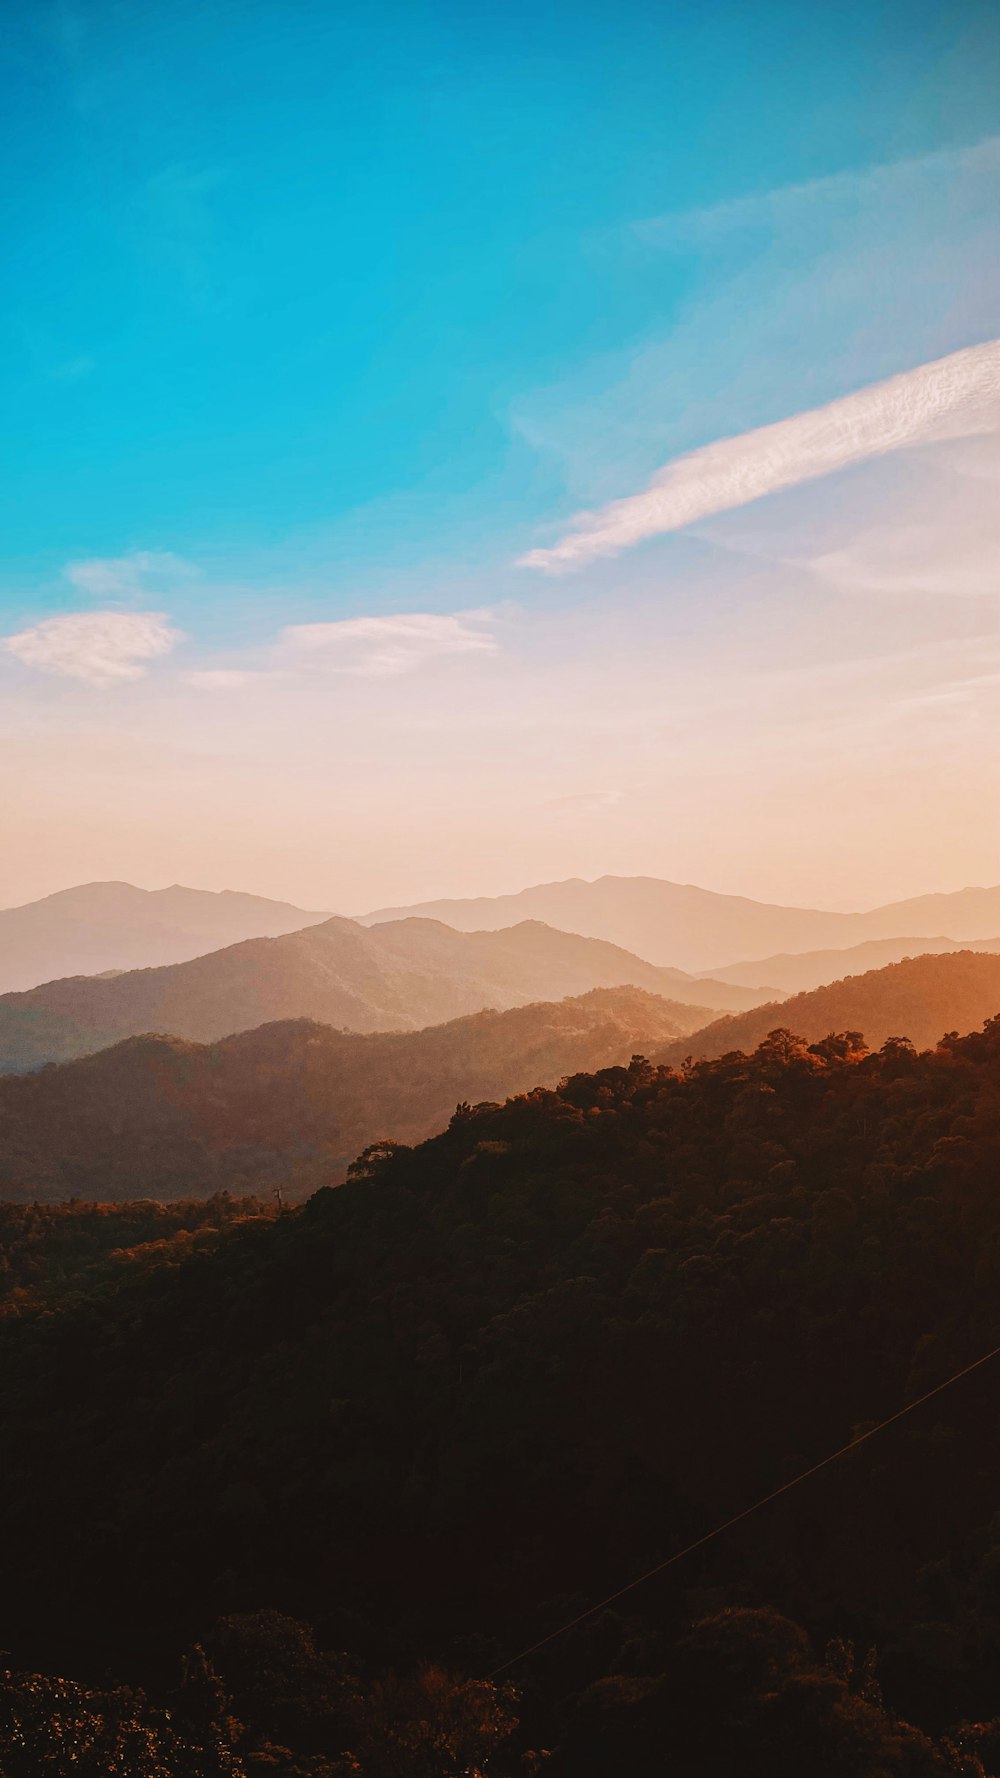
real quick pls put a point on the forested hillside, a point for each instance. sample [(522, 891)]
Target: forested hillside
[(919, 998), (438, 1412), (290, 1104)]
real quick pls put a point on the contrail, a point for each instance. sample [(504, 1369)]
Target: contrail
[(951, 397)]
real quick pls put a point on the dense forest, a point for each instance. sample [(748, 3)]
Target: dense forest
[(289, 1491), (288, 1106)]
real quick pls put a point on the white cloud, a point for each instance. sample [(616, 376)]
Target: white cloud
[(953, 397), (384, 647), (114, 577), (102, 647)]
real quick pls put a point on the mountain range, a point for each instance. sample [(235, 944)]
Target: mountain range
[(394, 977), (99, 927), (920, 998), (292, 1103), (102, 926), (794, 973), (697, 929)]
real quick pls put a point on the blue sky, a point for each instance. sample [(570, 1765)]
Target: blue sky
[(321, 312), (270, 265)]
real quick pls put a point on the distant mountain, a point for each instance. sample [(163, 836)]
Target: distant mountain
[(795, 973), (395, 977), (290, 1103), (102, 926), (920, 998), (696, 929)]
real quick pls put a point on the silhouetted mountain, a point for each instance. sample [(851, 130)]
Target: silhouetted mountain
[(695, 929), (918, 998), (395, 977), (797, 972), (442, 1411), (290, 1104), (102, 926)]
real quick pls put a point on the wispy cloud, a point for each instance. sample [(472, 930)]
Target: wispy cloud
[(716, 223), (951, 397), (124, 577), (384, 647), (102, 647)]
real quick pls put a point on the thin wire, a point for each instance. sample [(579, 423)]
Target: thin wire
[(738, 1518)]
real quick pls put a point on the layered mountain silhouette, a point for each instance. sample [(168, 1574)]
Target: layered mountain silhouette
[(796, 973), (919, 998), (101, 926), (394, 977), (292, 1103), (697, 929)]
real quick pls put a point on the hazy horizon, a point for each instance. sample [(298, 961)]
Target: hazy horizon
[(158, 886)]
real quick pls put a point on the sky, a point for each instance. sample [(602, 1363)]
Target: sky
[(449, 448)]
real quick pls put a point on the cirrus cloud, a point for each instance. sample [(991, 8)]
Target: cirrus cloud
[(953, 397), (101, 647)]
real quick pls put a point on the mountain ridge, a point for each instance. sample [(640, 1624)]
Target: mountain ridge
[(703, 929), (292, 1103), (93, 927), (795, 972), (918, 998), (398, 976)]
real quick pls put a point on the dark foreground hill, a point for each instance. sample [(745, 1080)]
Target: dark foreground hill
[(101, 926), (440, 1411), (290, 1104), (399, 977), (918, 998)]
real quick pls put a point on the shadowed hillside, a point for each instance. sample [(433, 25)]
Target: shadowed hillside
[(397, 977), (290, 1104), (442, 1410), (918, 998)]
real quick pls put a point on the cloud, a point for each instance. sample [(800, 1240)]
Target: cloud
[(124, 577), (953, 397), (384, 647), (716, 223), (101, 647)]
